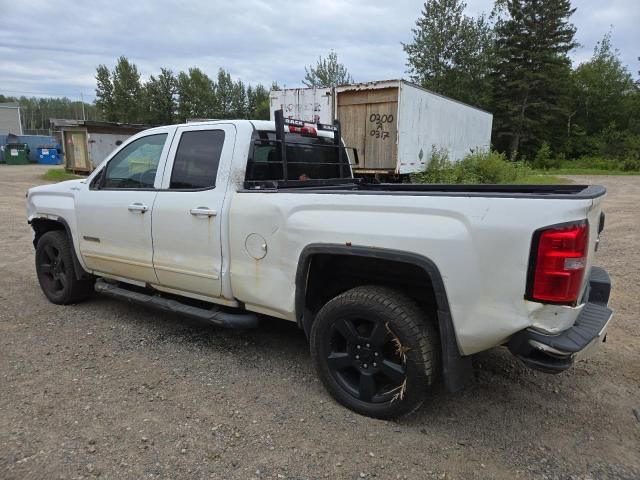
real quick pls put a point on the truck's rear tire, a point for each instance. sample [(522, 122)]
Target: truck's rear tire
[(375, 351), (56, 273)]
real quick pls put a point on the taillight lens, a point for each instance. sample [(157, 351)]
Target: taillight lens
[(560, 262)]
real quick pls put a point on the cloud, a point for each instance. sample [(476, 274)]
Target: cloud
[(57, 50)]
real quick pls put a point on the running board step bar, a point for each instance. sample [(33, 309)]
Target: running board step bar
[(213, 315)]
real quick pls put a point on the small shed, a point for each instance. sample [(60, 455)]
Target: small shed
[(85, 143), (10, 121)]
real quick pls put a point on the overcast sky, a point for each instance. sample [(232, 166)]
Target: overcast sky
[(53, 47)]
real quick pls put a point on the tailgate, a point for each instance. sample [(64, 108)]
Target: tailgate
[(593, 216)]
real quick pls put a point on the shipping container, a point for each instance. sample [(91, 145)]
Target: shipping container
[(394, 124)]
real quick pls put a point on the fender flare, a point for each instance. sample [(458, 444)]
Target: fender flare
[(79, 270), (456, 368)]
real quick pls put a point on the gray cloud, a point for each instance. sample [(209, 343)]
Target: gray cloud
[(57, 50)]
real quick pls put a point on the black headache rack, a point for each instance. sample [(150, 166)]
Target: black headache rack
[(280, 142)]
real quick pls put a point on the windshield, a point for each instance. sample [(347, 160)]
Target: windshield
[(308, 158)]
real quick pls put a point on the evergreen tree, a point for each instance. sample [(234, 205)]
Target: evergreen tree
[(531, 74), (602, 88), (224, 94), (104, 93), (160, 98), (196, 95), (238, 100), (328, 72), (450, 52), (127, 92), (258, 103)]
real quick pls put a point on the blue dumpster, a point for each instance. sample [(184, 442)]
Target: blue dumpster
[(48, 155)]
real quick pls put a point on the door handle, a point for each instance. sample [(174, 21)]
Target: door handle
[(203, 212), (138, 207)]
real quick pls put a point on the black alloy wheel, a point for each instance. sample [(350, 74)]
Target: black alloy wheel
[(375, 351), (55, 269)]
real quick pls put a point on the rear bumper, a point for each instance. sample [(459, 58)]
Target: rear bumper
[(556, 353)]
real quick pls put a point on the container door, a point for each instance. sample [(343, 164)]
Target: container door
[(353, 119), (76, 150), (369, 123), (380, 150)]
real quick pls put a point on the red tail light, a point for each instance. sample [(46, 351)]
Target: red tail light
[(557, 264)]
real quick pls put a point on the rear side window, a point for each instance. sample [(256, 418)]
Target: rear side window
[(307, 158), (197, 159)]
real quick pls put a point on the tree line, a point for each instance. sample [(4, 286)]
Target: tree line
[(36, 112), (168, 98), (515, 63)]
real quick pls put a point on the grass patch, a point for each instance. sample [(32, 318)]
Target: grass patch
[(482, 168), (584, 171), (542, 179), (59, 175)]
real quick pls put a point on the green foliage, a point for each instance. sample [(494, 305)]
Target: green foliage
[(451, 52), (168, 98), (127, 91), (481, 167), (104, 93), (59, 175), (160, 98), (603, 88), (328, 72), (531, 76), (196, 95), (595, 165), (37, 112), (544, 158)]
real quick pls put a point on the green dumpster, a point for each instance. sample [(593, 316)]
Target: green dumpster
[(16, 154)]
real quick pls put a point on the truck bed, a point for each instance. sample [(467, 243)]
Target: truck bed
[(570, 191)]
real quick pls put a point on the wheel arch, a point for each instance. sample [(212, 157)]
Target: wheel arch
[(456, 368), (42, 225)]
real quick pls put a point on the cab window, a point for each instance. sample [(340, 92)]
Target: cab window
[(197, 159), (136, 164)]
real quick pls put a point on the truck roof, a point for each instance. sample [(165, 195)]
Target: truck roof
[(265, 125)]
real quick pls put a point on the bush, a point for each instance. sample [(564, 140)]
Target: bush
[(544, 158), (482, 167)]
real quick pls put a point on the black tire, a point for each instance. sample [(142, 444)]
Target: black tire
[(56, 273), (356, 329)]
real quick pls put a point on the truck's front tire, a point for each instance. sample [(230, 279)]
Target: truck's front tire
[(56, 273), (375, 351)]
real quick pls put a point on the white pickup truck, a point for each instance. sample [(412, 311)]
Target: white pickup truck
[(395, 285)]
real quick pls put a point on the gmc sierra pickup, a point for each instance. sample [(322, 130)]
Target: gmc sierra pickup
[(395, 285)]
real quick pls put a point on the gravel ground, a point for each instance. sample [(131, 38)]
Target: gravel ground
[(107, 389)]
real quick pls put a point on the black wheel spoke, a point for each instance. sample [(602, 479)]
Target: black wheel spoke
[(379, 334), (46, 268), (62, 278), (366, 387), (57, 284), (347, 330), (393, 371), (51, 253), (339, 360)]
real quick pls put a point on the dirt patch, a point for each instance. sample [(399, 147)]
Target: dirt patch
[(112, 390)]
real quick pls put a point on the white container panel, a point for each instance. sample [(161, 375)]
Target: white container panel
[(309, 104), (427, 120)]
